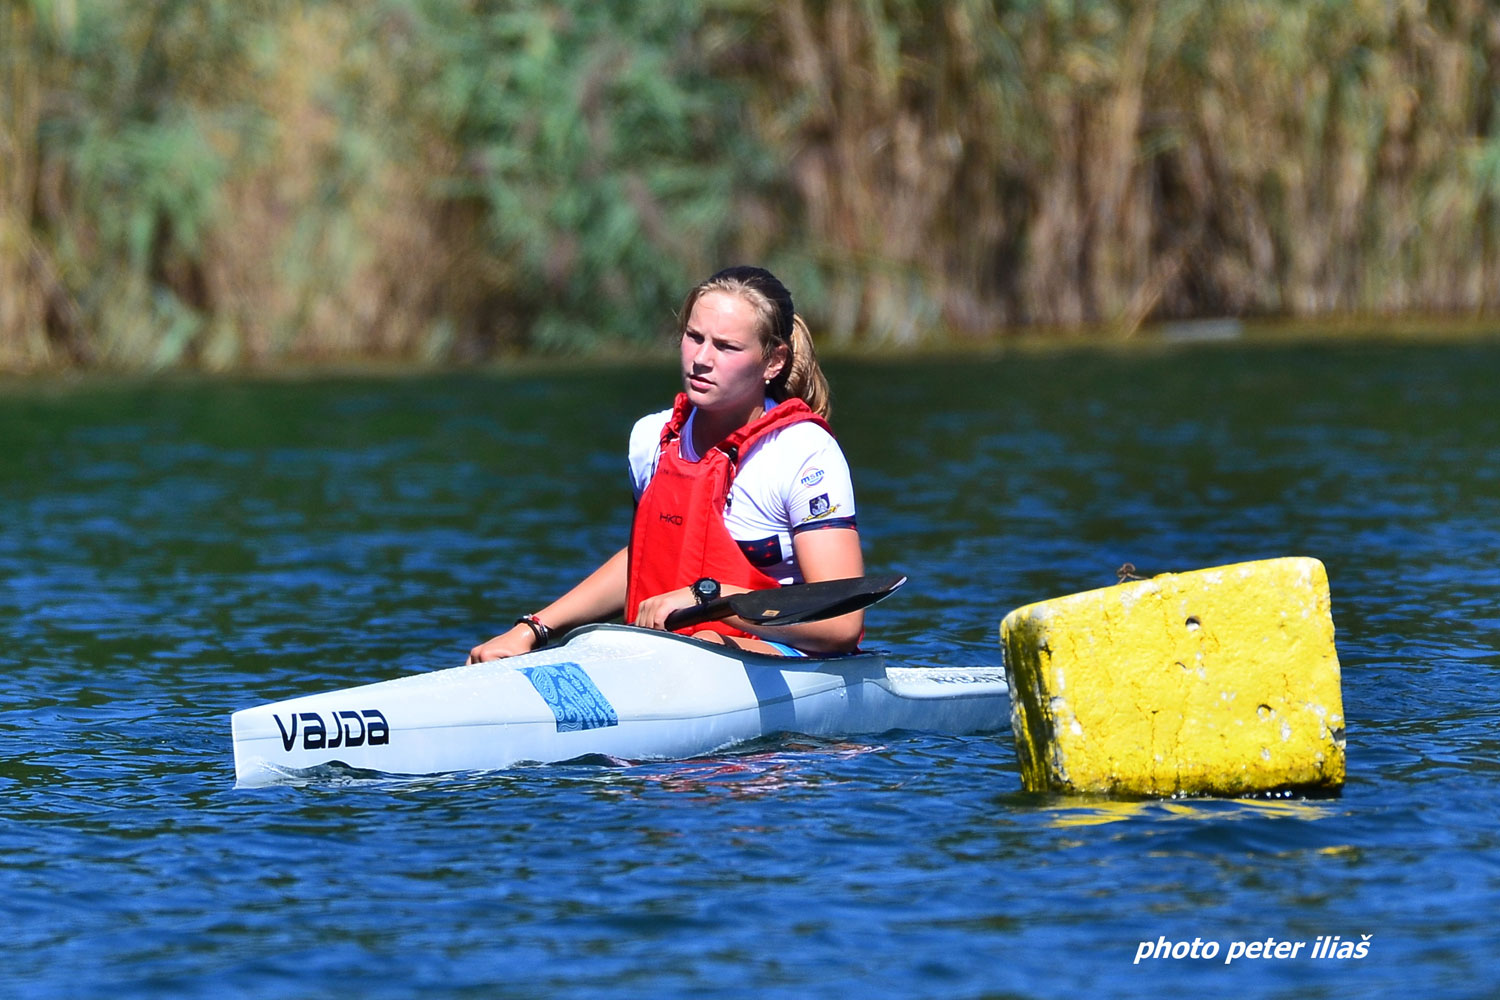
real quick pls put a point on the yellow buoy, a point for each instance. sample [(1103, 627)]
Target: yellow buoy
[(1220, 681)]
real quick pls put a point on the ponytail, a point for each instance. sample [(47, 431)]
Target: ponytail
[(803, 377)]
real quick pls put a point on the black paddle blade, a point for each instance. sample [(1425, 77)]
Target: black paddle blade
[(811, 602), (803, 602)]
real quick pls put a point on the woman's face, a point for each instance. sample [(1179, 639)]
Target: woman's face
[(723, 364)]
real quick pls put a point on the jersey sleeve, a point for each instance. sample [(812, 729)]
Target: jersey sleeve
[(821, 493)]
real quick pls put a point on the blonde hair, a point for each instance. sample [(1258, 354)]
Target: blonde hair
[(778, 324)]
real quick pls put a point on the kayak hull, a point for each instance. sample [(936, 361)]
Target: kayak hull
[(612, 690)]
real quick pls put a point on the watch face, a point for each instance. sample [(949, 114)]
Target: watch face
[(706, 589)]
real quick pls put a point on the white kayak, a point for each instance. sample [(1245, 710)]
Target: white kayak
[(613, 690)]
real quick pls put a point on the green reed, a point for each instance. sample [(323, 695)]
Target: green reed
[(216, 184)]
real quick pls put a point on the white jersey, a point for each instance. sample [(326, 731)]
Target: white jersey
[(792, 480)]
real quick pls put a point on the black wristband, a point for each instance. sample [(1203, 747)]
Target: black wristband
[(543, 633)]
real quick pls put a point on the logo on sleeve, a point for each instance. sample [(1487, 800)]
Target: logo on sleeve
[(821, 509), (813, 478)]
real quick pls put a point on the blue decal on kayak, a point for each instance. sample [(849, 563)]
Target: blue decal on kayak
[(572, 696)]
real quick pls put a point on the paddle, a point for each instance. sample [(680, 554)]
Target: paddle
[(801, 602)]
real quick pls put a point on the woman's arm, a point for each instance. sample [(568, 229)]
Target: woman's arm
[(600, 596), (822, 554)]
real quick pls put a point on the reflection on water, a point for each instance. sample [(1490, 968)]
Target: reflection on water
[(172, 552), (796, 764), (797, 761), (1091, 811)]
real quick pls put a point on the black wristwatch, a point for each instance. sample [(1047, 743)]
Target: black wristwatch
[(706, 590)]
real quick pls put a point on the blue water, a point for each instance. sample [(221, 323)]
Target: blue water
[(171, 551)]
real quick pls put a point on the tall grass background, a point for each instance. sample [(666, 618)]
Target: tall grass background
[(246, 183)]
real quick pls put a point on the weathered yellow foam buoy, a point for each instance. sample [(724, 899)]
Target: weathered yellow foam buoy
[(1220, 681)]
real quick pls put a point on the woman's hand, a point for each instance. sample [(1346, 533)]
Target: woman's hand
[(513, 643), (654, 610)]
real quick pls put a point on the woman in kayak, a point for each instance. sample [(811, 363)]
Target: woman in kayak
[(739, 486)]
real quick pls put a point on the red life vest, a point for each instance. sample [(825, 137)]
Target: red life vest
[(678, 535)]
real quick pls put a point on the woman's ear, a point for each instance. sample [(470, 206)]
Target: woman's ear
[(776, 364)]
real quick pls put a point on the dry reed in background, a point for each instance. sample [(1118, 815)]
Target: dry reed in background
[(227, 184)]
